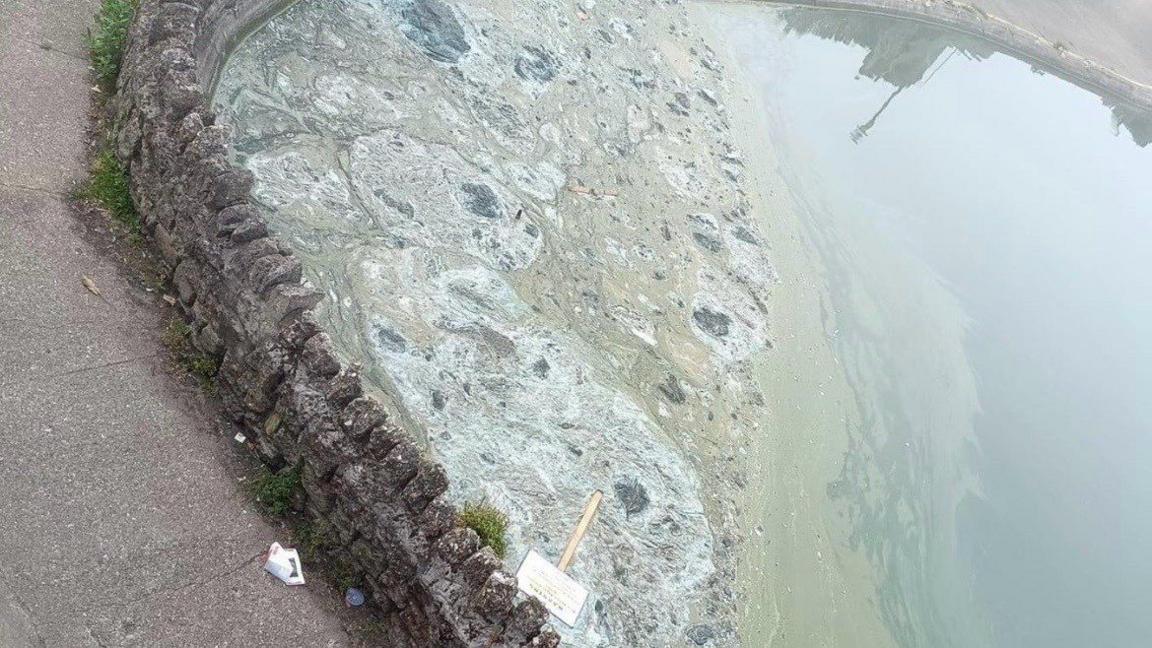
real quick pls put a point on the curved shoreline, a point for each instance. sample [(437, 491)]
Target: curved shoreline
[(1009, 37)]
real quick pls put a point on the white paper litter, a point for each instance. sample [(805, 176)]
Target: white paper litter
[(284, 564)]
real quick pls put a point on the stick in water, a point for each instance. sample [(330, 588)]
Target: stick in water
[(581, 529)]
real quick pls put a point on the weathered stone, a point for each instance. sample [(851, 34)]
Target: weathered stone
[(174, 20), (189, 128), (401, 464), (241, 259), (382, 440), (344, 388), (318, 357), (184, 279), (546, 639), (210, 144), (495, 598), (229, 218), (525, 621), (361, 416), (294, 334), (328, 448), (438, 518), (317, 489), (179, 90), (457, 545), (249, 230), (169, 248), (431, 481), (274, 269), (367, 555), (231, 187), (284, 303), (479, 566), (208, 341)]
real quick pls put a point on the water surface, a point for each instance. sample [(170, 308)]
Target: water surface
[(844, 317), (960, 456)]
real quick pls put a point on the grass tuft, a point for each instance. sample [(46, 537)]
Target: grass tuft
[(106, 41), (178, 338), (489, 522), (108, 187), (275, 491)]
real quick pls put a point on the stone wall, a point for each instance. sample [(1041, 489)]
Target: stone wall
[(279, 378)]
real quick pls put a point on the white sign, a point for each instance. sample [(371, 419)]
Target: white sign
[(562, 595)]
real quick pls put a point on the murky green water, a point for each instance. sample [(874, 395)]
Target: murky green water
[(961, 454), (846, 316)]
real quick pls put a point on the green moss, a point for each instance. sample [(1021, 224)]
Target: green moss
[(313, 537), (489, 522), (274, 491), (178, 338), (106, 40), (343, 574)]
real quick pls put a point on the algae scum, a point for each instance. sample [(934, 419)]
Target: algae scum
[(529, 220), (550, 230)]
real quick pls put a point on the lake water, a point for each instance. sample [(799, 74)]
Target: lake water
[(972, 240), (845, 316)]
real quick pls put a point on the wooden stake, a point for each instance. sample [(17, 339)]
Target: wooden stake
[(581, 529)]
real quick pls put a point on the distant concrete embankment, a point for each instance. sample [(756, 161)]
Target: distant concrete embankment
[(1049, 56)]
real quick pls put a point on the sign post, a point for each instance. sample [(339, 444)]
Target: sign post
[(559, 592), (581, 529)]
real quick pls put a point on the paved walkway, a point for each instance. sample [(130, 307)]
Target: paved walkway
[(1114, 33), (120, 520)]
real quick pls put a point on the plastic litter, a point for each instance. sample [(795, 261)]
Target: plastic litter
[(354, 597), (284, 564)]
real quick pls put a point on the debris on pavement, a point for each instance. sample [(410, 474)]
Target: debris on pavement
[(90, 285), (354, 597), (284, 564), (240, 438)]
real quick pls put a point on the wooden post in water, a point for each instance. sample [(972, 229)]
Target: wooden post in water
[(581, 529)]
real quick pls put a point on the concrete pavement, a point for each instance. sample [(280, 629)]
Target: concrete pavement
[(1114, 33), (121, 518)]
